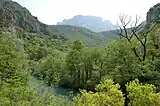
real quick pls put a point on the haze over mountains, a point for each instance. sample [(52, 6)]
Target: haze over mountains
[(96, 24)]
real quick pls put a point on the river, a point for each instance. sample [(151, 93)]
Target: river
[(60, 94)]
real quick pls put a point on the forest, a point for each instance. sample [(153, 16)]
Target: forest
[(124, 72), (119, 74)]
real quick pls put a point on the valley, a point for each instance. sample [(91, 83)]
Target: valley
[(70, 65)]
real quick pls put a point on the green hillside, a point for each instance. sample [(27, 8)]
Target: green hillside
[(35, 56), (72, 33)]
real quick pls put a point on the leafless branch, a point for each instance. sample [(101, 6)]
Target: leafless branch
[(123, 33)]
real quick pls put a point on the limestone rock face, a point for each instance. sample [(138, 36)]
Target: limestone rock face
[(154, 14), (14, 15)]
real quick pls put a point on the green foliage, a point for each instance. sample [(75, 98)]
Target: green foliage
[(120, 63), (12, 61), (84, 66), (107, 94), (23, 96), (73, 62), (38, 47), (142, 95), (14, 75), (76, 66), (72, 33), (50, 69), (50, 58)]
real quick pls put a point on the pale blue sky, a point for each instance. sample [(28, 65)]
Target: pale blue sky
[(53, 11)]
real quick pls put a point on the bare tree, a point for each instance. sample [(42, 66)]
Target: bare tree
[(133, 31), (122, 32)]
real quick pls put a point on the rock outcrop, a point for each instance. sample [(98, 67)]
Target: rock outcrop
[(13, 14), (153, 15)]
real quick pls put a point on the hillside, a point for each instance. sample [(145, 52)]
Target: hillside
[(110, 34), (14, 16), (43, 69), (72, 33), (93, 23)]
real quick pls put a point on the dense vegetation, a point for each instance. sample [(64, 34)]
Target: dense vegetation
[(126, 72), (14, 74), (60, 63)]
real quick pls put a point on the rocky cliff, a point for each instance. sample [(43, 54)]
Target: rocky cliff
[(154, 14), (13, 14)]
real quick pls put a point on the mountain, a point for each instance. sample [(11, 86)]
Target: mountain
[(15, 17), (96, 24)]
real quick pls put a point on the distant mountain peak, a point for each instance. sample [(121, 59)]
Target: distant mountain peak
[(94, 23)]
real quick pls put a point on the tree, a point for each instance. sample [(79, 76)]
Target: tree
[(14, 75), (107, 94), (50, 69), (134, 31), (23, 96), (12, 62), (144, 45), (91, 67), (84, 66), (142, 95), (120, 63), (74, 62)]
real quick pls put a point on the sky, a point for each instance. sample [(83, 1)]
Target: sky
[(53, 11)]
